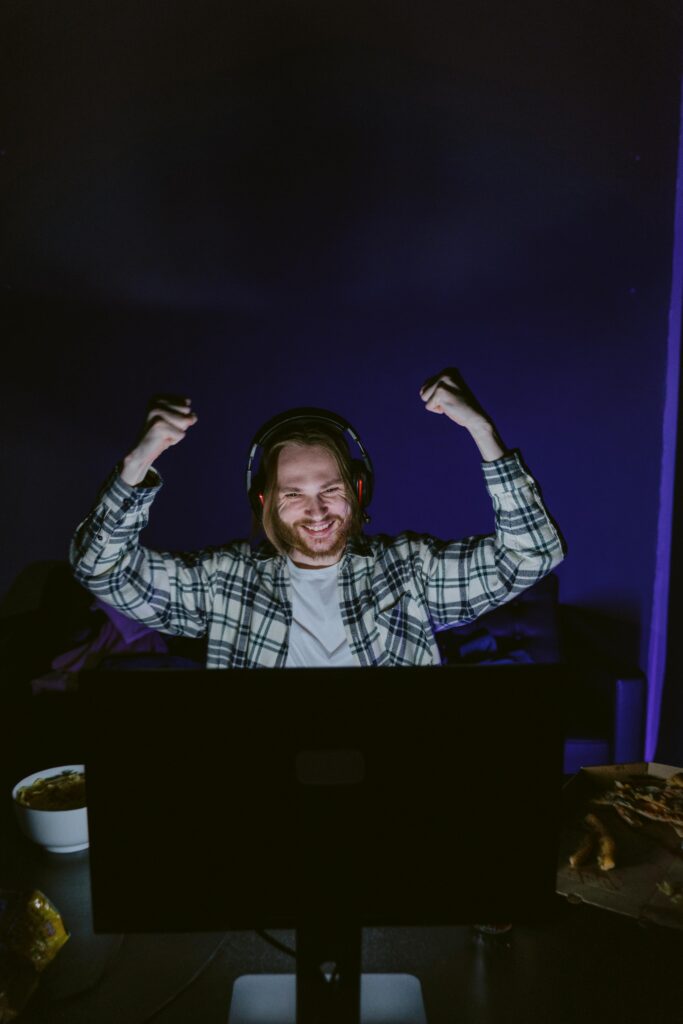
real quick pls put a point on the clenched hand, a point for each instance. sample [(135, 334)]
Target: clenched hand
[(168, 419)]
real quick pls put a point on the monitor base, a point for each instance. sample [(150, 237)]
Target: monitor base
[(271, 999)]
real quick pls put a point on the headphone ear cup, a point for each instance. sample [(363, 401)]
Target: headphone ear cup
[(362, 483), (256, 496)]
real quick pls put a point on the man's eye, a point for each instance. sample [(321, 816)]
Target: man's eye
[(332, 490), (291, 494)]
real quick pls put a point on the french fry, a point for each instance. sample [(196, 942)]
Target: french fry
[(606, 844), (583, 850)]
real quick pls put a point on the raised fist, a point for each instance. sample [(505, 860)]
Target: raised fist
[(167, 421)]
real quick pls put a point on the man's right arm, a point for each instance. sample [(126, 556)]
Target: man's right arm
[(168, 418), (169, 592)]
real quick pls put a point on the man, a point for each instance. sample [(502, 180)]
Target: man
[(319, 592)]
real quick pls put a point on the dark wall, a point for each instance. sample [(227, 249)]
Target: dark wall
[(271, 204)]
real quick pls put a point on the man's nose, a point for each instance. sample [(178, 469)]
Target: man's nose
[(317, 505)]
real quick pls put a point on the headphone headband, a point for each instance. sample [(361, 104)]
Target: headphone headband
[(363, 468)]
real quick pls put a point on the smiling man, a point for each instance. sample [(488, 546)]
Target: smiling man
[(310, 511), (317, 591)]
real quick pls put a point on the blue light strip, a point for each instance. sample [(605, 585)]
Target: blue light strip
[(656, 662)]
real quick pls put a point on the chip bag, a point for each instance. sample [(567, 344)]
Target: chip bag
[(31, 934)]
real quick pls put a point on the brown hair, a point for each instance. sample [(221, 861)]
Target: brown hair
[(311, 435)]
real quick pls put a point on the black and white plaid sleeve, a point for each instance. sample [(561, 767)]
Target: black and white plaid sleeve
[(463, 579), (168, 592)]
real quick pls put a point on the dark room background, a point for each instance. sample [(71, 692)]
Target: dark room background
[(270, 204)]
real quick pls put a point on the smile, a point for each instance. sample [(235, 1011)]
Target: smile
[(320, 529)]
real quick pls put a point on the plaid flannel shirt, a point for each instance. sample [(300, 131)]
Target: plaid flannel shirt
[(395, 592)]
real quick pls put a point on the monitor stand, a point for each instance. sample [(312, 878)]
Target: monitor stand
[(328, 987)]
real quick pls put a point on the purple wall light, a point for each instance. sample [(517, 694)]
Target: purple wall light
[(656, 663)]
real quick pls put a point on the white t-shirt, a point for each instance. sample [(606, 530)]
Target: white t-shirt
[(317, 637)]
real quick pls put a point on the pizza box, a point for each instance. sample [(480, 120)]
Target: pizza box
[(647, 880)]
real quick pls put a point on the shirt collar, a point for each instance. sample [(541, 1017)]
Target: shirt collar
[(356, 545)]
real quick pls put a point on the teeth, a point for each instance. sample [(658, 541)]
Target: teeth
[(318, 529)]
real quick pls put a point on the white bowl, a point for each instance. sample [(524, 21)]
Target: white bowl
[(57, 831)]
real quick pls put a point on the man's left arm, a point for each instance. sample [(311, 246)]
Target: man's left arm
[(466, 578)]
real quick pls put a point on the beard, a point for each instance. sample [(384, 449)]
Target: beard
[(294, 538)]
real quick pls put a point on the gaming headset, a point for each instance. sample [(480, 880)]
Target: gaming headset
[(362, 472)]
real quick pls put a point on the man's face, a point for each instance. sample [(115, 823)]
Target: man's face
[(311, 514)]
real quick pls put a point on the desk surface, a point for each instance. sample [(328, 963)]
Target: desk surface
[(586, 965)]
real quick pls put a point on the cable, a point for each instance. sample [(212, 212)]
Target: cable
[(275, 942), (114, 954), (200, 970), (104, 973), (195, 977)]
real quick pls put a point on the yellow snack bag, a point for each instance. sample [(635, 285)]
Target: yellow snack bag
[(31, 934)]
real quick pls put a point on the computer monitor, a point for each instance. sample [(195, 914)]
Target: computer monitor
[(322, 800)]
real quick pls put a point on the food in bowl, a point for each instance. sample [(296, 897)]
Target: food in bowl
[(50, 808), (63, 792)]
